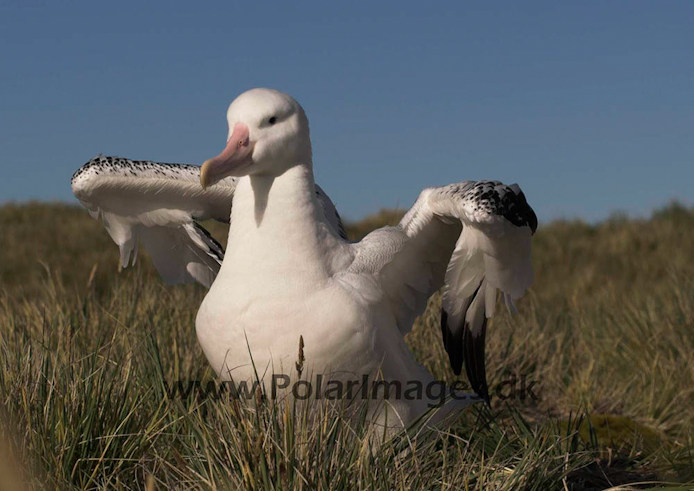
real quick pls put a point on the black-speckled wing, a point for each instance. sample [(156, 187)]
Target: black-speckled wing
[(472, 238), (159, 205)]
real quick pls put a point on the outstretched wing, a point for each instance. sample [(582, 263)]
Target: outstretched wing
[(160, 205), (472, 238)]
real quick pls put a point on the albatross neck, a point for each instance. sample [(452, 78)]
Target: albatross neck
[(276, 224)]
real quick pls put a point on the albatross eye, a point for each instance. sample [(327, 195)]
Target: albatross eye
[(272, 120)]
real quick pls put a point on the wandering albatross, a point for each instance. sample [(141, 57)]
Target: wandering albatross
[(289, 270)]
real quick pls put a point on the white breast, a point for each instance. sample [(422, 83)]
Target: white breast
[(279, 281), (336, 326)]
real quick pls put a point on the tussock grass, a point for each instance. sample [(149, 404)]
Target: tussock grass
[(606, 334)]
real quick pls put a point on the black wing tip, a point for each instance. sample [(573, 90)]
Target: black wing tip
[(530, 216), (452, 343), (470, 348), (519, 212), (474, 354)]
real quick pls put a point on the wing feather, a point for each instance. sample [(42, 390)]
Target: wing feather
[(159, 205), (472, 238)]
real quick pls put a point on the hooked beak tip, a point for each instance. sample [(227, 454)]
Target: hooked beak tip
[(205, 175)]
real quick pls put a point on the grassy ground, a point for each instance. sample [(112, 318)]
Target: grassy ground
[(606, 334)]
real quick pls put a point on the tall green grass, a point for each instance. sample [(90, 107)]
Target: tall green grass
[(606, 334)]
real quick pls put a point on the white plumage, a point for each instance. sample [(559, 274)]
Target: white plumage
[(289, 272)]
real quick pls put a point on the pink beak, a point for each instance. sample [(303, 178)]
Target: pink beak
[(234, 159)]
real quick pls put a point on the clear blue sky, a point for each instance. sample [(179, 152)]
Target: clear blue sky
[(588, 105)]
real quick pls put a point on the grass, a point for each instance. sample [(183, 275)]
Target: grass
[(606, 334)]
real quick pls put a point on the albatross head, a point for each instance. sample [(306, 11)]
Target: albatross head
[(268, 133)]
